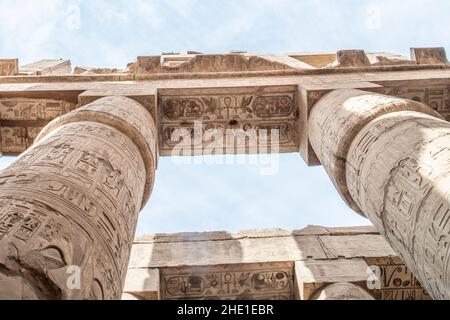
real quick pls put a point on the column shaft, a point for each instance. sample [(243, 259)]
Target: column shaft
[(389, 159), (69, 204)]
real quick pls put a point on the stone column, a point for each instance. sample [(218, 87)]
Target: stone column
[(343, 291), (389, 158), (69, 205)]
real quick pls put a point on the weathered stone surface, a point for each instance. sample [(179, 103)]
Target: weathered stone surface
[(404, 190), (313, 276), (207, 63), (317, 60), (23, 118), (211, 265), (436, 96), (229, 120), (113, 111), (388, 59), (389, 159), (429, 55), (9, 67), (143, 284), (338, 117), (70, 203), (268, 281), (231, 91), (351, 58), (215, 252), (344, 291), (396, 281), (47, 67)]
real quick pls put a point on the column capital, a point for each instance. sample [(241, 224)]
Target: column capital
[(125, 115), (338, 117)]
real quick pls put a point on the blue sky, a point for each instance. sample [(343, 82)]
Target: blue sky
[(223, 197)]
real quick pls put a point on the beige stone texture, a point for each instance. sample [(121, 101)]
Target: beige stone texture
[(387, 59), (351, 58), (388, 159), (143, 284), (70, 203), (47, 67), (398, 174), (429, 55), (313, 276), (269, 264), (338, 117), (317, 60), (212, 63), (344, 291), (64, 200), (9, 67)]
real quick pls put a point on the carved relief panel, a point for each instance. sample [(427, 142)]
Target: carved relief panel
[(22, 119), (206, 117), (396, 281), (268, 281), (436, 97)]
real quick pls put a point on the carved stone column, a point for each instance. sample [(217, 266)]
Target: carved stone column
[(69, 205), (343, 291), (390, 160)]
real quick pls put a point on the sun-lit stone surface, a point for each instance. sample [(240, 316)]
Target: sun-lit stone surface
[(70, 203), (267, 264), (389, 159), (366, 117)]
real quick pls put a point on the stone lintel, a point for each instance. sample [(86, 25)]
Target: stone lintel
[(317, 60), (219, 110), (271, 264)]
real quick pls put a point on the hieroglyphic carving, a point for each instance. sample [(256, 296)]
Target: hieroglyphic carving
[(397, 282), (23, 119), (238, 107), (338, 117), (436, 97), (270, 282), (239, 112), (84, 181), (395, 169), (33, 109), (286, 130), (15, 140), (404, 190)]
